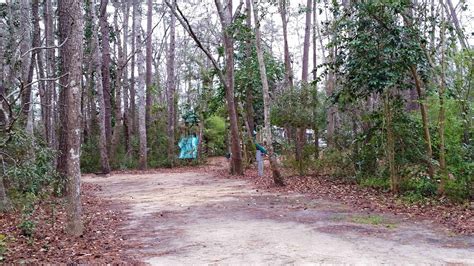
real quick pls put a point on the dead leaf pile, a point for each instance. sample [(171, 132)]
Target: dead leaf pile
[(101, 243)]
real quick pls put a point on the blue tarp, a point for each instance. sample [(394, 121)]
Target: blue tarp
[(189, 148)]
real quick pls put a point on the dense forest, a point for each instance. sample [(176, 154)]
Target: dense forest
[(378, 93)]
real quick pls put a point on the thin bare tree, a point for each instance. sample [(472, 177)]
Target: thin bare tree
[(277, 177), (141, 87)]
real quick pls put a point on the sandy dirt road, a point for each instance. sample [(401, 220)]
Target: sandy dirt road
[(196, 218)]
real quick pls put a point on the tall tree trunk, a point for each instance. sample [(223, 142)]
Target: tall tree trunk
[(140, 86), (37, 58), (119, 85), (71, 27), (149, 51), (50, 72), (456, 24), (104, 31), (394, 181), (301, 132), (288, 68), (225, 15), (171, 87), (330, 86), (306, 44), (441, 118), (133, 108), (26, 64), (97, 80), (277, 177), (315, 78), (424, 118), (249, 110), (126, 85)]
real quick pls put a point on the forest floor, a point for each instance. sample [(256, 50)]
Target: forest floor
[(202, 215)]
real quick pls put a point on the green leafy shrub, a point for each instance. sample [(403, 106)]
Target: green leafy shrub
[(157, 140), (337, 163), (90, 156), (27, 228), (457, 190), (29, 165), (374, 182), (214, 134), (422, 186)]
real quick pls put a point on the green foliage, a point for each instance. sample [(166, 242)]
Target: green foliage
[(157, 140), (422, 186), (27, 228), (293, 108), (379, 49), (215, 135), (90, 157), (28, 163), (459, 155), (458, 190), (373, 220), (374, 182), (337, 163)]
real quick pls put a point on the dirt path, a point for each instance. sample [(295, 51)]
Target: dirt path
[(193, 217)]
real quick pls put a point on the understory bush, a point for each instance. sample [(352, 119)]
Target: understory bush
[(27, 163), (215, 136)]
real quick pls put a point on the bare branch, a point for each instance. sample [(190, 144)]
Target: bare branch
[(187, 26), (144, 40), (45, 79), (45, 47)]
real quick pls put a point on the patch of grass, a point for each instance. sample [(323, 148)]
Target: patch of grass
[(374, 182), (373, 220)]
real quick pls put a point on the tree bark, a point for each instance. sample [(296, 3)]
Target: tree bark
[(277, 177), (141, 87), (71, 27), (456, 24), (119, 86), (225, 16), (441, 118), (315, 78), (394, 181), (38, 63), (288, 68), (306, 43), (97, 80), (126, 85), (148, 79), (104, 30), (171, 87), (424, 118), (133, 108), (301, 132), (50, 72), (26, 64), (249, 110)]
